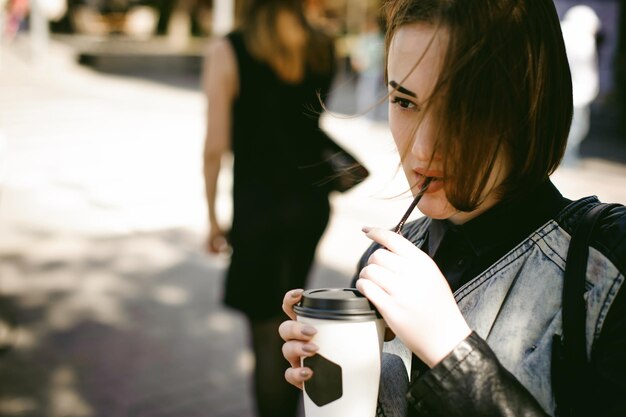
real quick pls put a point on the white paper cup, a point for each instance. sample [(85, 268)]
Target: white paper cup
[(346, 369)]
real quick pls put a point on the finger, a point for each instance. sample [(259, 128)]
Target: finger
[(290, 299), (294, 350), (390, 240), (209, 246), (380, 276), (216, 244), (293, 330), (385, 258), (219, 246), (297, 376)]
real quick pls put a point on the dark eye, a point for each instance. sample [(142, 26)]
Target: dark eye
[(404, 103)]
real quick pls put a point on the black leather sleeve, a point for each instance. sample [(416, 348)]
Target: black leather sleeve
[(471, 382)]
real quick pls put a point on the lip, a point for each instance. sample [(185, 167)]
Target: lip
[(435, 185), (429, 173)]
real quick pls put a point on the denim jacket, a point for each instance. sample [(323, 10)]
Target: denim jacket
[(514, 309)]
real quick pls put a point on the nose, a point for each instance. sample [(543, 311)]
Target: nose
[(423, 146)]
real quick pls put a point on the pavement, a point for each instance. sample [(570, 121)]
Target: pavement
[(107, 299)]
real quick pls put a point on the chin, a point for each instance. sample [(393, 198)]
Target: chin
[(436, 206)]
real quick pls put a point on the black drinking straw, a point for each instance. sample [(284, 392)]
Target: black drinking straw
[(416, 200)]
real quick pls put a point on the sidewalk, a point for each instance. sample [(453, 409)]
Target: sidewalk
[(101, 261), (101, 215)]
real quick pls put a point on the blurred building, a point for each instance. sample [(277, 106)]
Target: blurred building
[(109, 16), (343, 18)]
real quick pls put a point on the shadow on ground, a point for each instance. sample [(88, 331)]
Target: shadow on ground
[(122, 326)]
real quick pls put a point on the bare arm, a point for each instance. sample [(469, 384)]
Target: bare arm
[(220, 84)]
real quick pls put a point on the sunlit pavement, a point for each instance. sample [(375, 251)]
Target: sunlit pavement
[(114, 305)]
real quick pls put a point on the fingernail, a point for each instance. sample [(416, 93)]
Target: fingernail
[(310, 348), (366, 229), (308, 331), (296, 293), (305, 373)]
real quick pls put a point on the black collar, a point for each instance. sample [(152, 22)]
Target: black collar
[(505, 224)]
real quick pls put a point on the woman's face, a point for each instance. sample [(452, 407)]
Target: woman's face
[(408, 90)]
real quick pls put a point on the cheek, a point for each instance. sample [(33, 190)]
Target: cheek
[(394, 124), (400, 130)]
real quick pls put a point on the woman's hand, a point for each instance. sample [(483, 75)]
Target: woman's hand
[(216, 241), (297, 337), (414, 298)]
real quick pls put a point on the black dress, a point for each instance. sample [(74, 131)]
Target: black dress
[(279, 212)]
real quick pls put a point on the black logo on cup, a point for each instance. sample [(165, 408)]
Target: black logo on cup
[(326, 387)]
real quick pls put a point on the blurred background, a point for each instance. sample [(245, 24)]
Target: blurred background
[(108, 304)]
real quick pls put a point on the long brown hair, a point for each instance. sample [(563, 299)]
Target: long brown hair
[(260, 25), (505, 85)]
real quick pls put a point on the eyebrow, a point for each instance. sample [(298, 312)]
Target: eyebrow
[(401, 89)]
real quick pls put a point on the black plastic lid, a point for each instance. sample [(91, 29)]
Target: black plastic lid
[(335, 304)]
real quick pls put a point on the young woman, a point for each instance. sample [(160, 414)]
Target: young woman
[(262, 83), (481, 100)]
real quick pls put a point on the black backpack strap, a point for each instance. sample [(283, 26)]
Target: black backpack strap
[(569, 360)]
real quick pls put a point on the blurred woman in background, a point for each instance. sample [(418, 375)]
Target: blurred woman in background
[(262, 83)]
